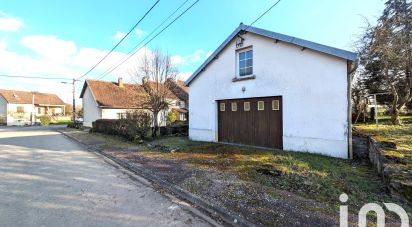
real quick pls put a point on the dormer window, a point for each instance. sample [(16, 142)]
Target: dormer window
[(245, 60)]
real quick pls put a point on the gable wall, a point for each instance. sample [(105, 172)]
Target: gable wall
[(91, 112), (313, 86)]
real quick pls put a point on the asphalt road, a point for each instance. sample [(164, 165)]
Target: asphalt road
[(48, 180)]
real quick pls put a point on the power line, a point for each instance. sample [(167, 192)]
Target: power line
[(153, 31), (101, 60), (135, 51), (263, 14), (37, 77)]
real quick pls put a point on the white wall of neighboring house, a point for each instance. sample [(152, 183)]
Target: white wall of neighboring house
[(19, 118), (3, 110), (91, 112), (313, 87)]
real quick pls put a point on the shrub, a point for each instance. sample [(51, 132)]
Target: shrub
[(45, 120), (135, 126), (171, 117)]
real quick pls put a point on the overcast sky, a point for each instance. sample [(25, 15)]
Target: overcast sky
[(66, 38)]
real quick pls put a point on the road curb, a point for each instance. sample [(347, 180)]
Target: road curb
[(200, 203)]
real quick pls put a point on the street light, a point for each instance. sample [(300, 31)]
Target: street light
[(74, 98)]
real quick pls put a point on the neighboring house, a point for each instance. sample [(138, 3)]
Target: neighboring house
[(182, 92), (111, 100), (271, 90), (17, 107)]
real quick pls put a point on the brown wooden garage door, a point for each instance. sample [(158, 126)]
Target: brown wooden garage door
[(251, 121)]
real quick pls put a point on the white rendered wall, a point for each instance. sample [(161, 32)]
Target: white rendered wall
[(313, 87), (14, 118), (91, 112)]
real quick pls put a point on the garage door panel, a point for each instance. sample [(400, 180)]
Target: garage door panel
[(252, 126)]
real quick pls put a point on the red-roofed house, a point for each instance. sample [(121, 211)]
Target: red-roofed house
[(17, 107), (111, 100)]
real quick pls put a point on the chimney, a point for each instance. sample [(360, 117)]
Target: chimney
[(120, 82)]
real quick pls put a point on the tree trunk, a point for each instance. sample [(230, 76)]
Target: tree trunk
[(155, 124), (395, 111), (395, 116)]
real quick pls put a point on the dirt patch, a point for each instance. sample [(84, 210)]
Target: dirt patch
[(264, 187)]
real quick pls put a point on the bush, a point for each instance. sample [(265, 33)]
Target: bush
[(45, 120), (135, 126), (171, 117), (178, 129)]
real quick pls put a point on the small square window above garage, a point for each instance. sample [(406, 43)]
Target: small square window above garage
[(246, 106), (261, 105), (222, 106), (234, 106), (275, 104)]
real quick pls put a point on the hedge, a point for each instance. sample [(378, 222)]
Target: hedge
[(128, 129)]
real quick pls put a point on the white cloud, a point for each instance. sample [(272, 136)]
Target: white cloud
[(54, 57), (9, 23), (188, 59), (184, 75), (140, 33), (3, 44), (50, 47), (119, 35)]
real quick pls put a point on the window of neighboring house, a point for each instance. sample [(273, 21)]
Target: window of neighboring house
[(121, 115), (246, 106), (38, 110), (261, 105), (20, 109), (222, 106), (245, 63), (181, 104), (182, 117)]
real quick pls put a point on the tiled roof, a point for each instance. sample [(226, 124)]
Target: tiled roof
[(110, 94), (181, 84), (26, 97)]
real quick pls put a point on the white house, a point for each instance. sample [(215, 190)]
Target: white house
[(271, 90), (21, 107), (111, 100)]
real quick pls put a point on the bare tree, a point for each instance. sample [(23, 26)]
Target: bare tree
[(386, 55), (154, 70), (359, 100)]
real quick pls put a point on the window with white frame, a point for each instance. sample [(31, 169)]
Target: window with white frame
[(222, 106), (234, 106), (246, 106), (245, 62), (275, 104), (261, 105)]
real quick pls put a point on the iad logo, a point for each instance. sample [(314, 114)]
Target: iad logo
[(380, 213)]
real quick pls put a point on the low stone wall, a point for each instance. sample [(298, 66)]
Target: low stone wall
[(396, 176)]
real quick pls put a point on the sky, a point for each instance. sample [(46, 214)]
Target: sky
[(65, 39)]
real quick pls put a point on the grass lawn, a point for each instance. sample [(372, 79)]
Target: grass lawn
[(401, 135), (62, 122), (312, 176)]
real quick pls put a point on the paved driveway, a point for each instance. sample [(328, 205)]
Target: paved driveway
[(47, 180)]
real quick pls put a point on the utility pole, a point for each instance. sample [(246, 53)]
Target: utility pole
[(74, 98)]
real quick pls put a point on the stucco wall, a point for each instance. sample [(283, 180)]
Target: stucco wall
[(313, 87), (91, 111), (3, 110), (15, 118)]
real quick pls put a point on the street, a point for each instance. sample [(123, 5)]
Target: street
[(49, 180)]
